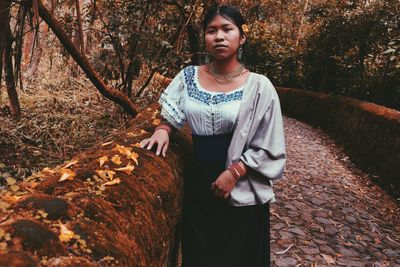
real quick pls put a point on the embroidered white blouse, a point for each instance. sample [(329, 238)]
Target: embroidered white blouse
[(206, 112), (253, 110)]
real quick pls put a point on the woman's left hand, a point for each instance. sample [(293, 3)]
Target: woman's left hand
[(224, 184)]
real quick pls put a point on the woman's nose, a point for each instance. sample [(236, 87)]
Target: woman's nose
[(219, 36)]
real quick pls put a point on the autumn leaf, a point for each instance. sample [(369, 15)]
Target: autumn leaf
[(70, 164), (156, 122), (105, 174), (112, 182), (128, 169), (329, 259), (14, 188), (11, 181), (127, 151), (134, 156), (67, 174), (131, 134), (47, 169), (65, 234), (103, 160), (136, 145), (116, 159)]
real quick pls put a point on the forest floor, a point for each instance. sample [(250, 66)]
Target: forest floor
[(61, 116)]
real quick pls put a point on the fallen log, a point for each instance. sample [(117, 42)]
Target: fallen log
[(113, 205)]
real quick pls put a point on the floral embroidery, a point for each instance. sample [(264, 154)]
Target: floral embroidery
[(205, 97)]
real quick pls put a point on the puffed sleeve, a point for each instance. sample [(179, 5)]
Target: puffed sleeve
[(172, 102), (266, 153)]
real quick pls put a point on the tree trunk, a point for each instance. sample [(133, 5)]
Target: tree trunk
[(7, 41), (80, 27), (114, 95)]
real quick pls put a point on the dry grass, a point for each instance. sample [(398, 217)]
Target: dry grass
[(59, 118)]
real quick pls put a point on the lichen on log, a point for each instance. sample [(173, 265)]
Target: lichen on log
[(114, 205)]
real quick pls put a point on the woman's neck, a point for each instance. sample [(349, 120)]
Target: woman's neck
[(225, 65)]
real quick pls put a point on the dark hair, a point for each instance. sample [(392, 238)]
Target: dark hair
[(228, 12)]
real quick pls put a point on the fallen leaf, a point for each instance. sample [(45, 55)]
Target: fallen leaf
[(67, 174), (65, 234), (3, 245), (11, 199), (107, 143), (130, 134), (123, 150), (285, 250), (105, 174), (11, 181), (47, 169), (329, 259), (127, 169), (134, 156), (136, 145), (112, 182), (156, 122), (4, 206), (70, 164), (14, 188), (43, 214), (116, 159), (103, 160)]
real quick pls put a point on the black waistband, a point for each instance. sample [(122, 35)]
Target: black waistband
[(211, 147)]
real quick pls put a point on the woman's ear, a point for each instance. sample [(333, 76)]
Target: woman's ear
[(243, 39)]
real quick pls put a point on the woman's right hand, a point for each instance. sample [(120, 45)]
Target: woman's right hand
[(159, 137)]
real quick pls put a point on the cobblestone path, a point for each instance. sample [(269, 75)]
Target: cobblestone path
[(327, 211)]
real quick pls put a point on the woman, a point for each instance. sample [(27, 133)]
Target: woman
[(239, 149)]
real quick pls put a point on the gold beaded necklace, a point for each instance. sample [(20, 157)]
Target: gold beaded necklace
[(225, 78)]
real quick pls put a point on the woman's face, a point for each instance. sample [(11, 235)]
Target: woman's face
[(223, 38)]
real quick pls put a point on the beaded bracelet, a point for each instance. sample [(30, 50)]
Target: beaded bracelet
[(239, 168), (164, 127), (234, 173)]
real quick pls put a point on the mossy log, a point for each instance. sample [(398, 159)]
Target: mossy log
[(101, 214)]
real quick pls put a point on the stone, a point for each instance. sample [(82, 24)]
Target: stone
[(297, 230), (323, 220), (350, 219), (327, 250), (285, 262), (391, 253), (310, 250), (348, 252), (331, 231)]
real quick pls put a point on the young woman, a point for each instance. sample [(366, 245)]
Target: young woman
[(238, 145)]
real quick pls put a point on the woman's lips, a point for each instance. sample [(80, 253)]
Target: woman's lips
[(219, 46)]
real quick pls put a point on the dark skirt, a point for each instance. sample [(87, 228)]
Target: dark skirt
[(215, 233)]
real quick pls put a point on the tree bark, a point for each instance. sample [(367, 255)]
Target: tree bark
[(114, 95), (6, 47), (80, 27)]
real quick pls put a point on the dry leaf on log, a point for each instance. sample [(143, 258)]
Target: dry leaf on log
[(70, 164), (67, 174), (127, 169), (116, 159), (113, 182), (103, 160), (329, 259), (65, 234)]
